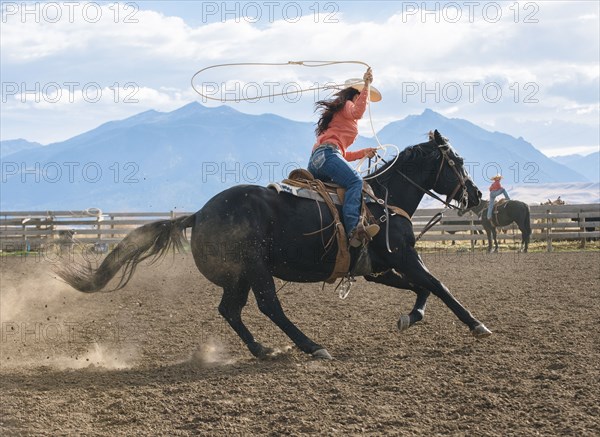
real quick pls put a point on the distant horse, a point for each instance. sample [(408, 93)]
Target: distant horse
[(511, 211), (585, 220), (558, 201), (591, 228), (246, 235)]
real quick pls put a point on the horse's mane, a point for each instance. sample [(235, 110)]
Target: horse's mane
[(426, 150), (418, 151)]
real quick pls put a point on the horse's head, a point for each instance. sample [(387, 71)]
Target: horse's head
[(452, 179), (418, 169)]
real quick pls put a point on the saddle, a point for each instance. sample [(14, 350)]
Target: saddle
[(302, 183), (498, 206)]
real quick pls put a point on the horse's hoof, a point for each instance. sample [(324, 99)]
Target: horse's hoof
[(322, 354), (403, 322), (480, 331), (261, 352)]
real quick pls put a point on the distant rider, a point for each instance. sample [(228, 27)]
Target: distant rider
[(495, 190)]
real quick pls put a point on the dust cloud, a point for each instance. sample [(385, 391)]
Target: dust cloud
[(212, 353), (100, 356), (45, 322)]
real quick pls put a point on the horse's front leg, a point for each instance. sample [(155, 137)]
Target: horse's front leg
[(393, 279), (489, 237), (495, 237), (522, 246), (412, 267)]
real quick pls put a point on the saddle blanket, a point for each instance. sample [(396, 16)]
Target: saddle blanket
[(301, 192), (307, 193)]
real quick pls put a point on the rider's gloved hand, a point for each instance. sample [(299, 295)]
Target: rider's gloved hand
[(368, 76), (370, 152)]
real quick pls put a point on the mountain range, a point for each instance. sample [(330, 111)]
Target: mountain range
[(157, 161), (9, 147), (587, 165)]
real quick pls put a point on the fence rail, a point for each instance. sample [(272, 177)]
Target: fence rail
[(31, 230)]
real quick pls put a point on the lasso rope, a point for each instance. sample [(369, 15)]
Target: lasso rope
[(310, 64)]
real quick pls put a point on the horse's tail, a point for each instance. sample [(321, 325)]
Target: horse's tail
[(151, 240)]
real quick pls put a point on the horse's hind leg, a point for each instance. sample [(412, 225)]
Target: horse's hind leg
[(233, 301), (495, 237), (489, 238), (263, 287), (524, 238)]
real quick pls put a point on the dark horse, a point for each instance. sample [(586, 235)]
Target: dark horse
[(511, 211), (246, 235)]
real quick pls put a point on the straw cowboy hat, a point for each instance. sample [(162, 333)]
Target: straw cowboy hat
[(498, 176), (359, 84)]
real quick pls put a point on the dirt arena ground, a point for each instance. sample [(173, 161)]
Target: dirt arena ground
[(157, 359)]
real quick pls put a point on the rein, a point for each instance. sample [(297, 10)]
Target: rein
[(428, 192), (430, 224)]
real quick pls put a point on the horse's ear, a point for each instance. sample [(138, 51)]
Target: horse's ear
[(439, 139)]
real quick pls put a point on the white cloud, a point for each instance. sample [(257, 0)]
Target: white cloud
[(159, 54)]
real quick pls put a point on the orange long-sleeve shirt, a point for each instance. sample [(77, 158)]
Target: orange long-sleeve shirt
[(343, 128), (495, 185)]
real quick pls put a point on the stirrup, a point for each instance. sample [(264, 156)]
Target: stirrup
[(363, 234), (357, 237), (345, 285), (372, 230)]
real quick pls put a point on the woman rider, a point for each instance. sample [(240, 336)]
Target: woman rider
[(336, 130)]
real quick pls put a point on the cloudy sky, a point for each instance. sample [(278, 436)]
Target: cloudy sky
[(529, 69)]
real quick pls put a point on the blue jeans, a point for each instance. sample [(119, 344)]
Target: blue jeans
[(493, 195), (328, 164)]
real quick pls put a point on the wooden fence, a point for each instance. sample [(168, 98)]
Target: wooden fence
[(548, 223), (30, 230)]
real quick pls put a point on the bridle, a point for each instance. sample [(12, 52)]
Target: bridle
[(437, 217), (464, 199), (461, 183)]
